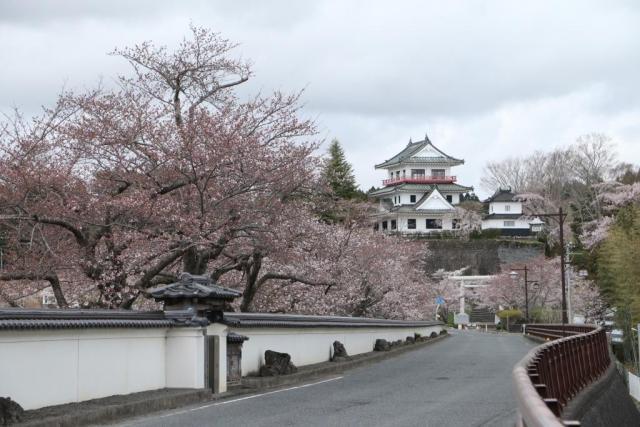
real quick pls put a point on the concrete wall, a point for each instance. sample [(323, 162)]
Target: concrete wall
[(634, 385), (49, 367), (314, 345)]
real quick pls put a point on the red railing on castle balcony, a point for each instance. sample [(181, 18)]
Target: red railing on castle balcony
[(552, 374), (420, 180)]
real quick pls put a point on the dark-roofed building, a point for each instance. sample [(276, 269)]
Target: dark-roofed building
[(505, 214), (420, 192)]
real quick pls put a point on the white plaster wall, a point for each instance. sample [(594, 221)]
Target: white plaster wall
[(499, 223), (447, 171), (185, 358), (421, 224), (455, 197), (42, 368), (405, 198), (428, 170), (50, 367), (501, 207), (314, 345)]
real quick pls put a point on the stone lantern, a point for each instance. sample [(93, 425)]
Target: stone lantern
[(197, 294)]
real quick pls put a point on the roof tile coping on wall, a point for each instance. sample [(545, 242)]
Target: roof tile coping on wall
[(17, 318), (252, 320), (193, 286)]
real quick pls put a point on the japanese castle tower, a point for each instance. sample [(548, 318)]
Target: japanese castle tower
[(420, 192)]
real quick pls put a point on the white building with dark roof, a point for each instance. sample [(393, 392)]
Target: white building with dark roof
[(505, 214), (420, 192)]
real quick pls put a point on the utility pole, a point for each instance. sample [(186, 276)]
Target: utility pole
[(569, 278), (514, 275), (561, 217), (526, 296)]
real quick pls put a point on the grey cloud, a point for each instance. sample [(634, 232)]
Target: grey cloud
[(35, 12), (488, 79)]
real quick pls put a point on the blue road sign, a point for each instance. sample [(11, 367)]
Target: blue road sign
[(439, 300)]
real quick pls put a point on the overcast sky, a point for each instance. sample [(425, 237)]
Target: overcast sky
[(485, 79)]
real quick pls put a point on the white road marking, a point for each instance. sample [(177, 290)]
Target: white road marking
[(253, 396)]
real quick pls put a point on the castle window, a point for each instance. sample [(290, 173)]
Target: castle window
[(434, 224), (412, 198), (509, 223), (384, 225), (437, 172), (394, 225), (411, 224), (507, 208), (449, 198), (417, 173)]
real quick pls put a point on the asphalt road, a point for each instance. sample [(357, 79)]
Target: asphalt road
[(461, 381)]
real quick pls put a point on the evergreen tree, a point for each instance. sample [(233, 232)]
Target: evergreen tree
[(469, 197), (338, 173), (619, 275)]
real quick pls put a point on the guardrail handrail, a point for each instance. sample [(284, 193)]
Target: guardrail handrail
[(550, 375)]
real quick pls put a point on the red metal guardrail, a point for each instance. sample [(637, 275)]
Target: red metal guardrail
[(555, 331), (550, 375)]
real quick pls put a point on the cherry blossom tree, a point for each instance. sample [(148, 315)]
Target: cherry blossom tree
[(114, 190), (507, 292), (612, 196), (125, 187), (587, 300), (368, 274)]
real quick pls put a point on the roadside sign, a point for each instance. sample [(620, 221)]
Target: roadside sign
[(439, 300), (461, 318)]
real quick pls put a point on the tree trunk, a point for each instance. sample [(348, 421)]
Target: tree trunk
[(195, 261), (251, 272), (57, 291)]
